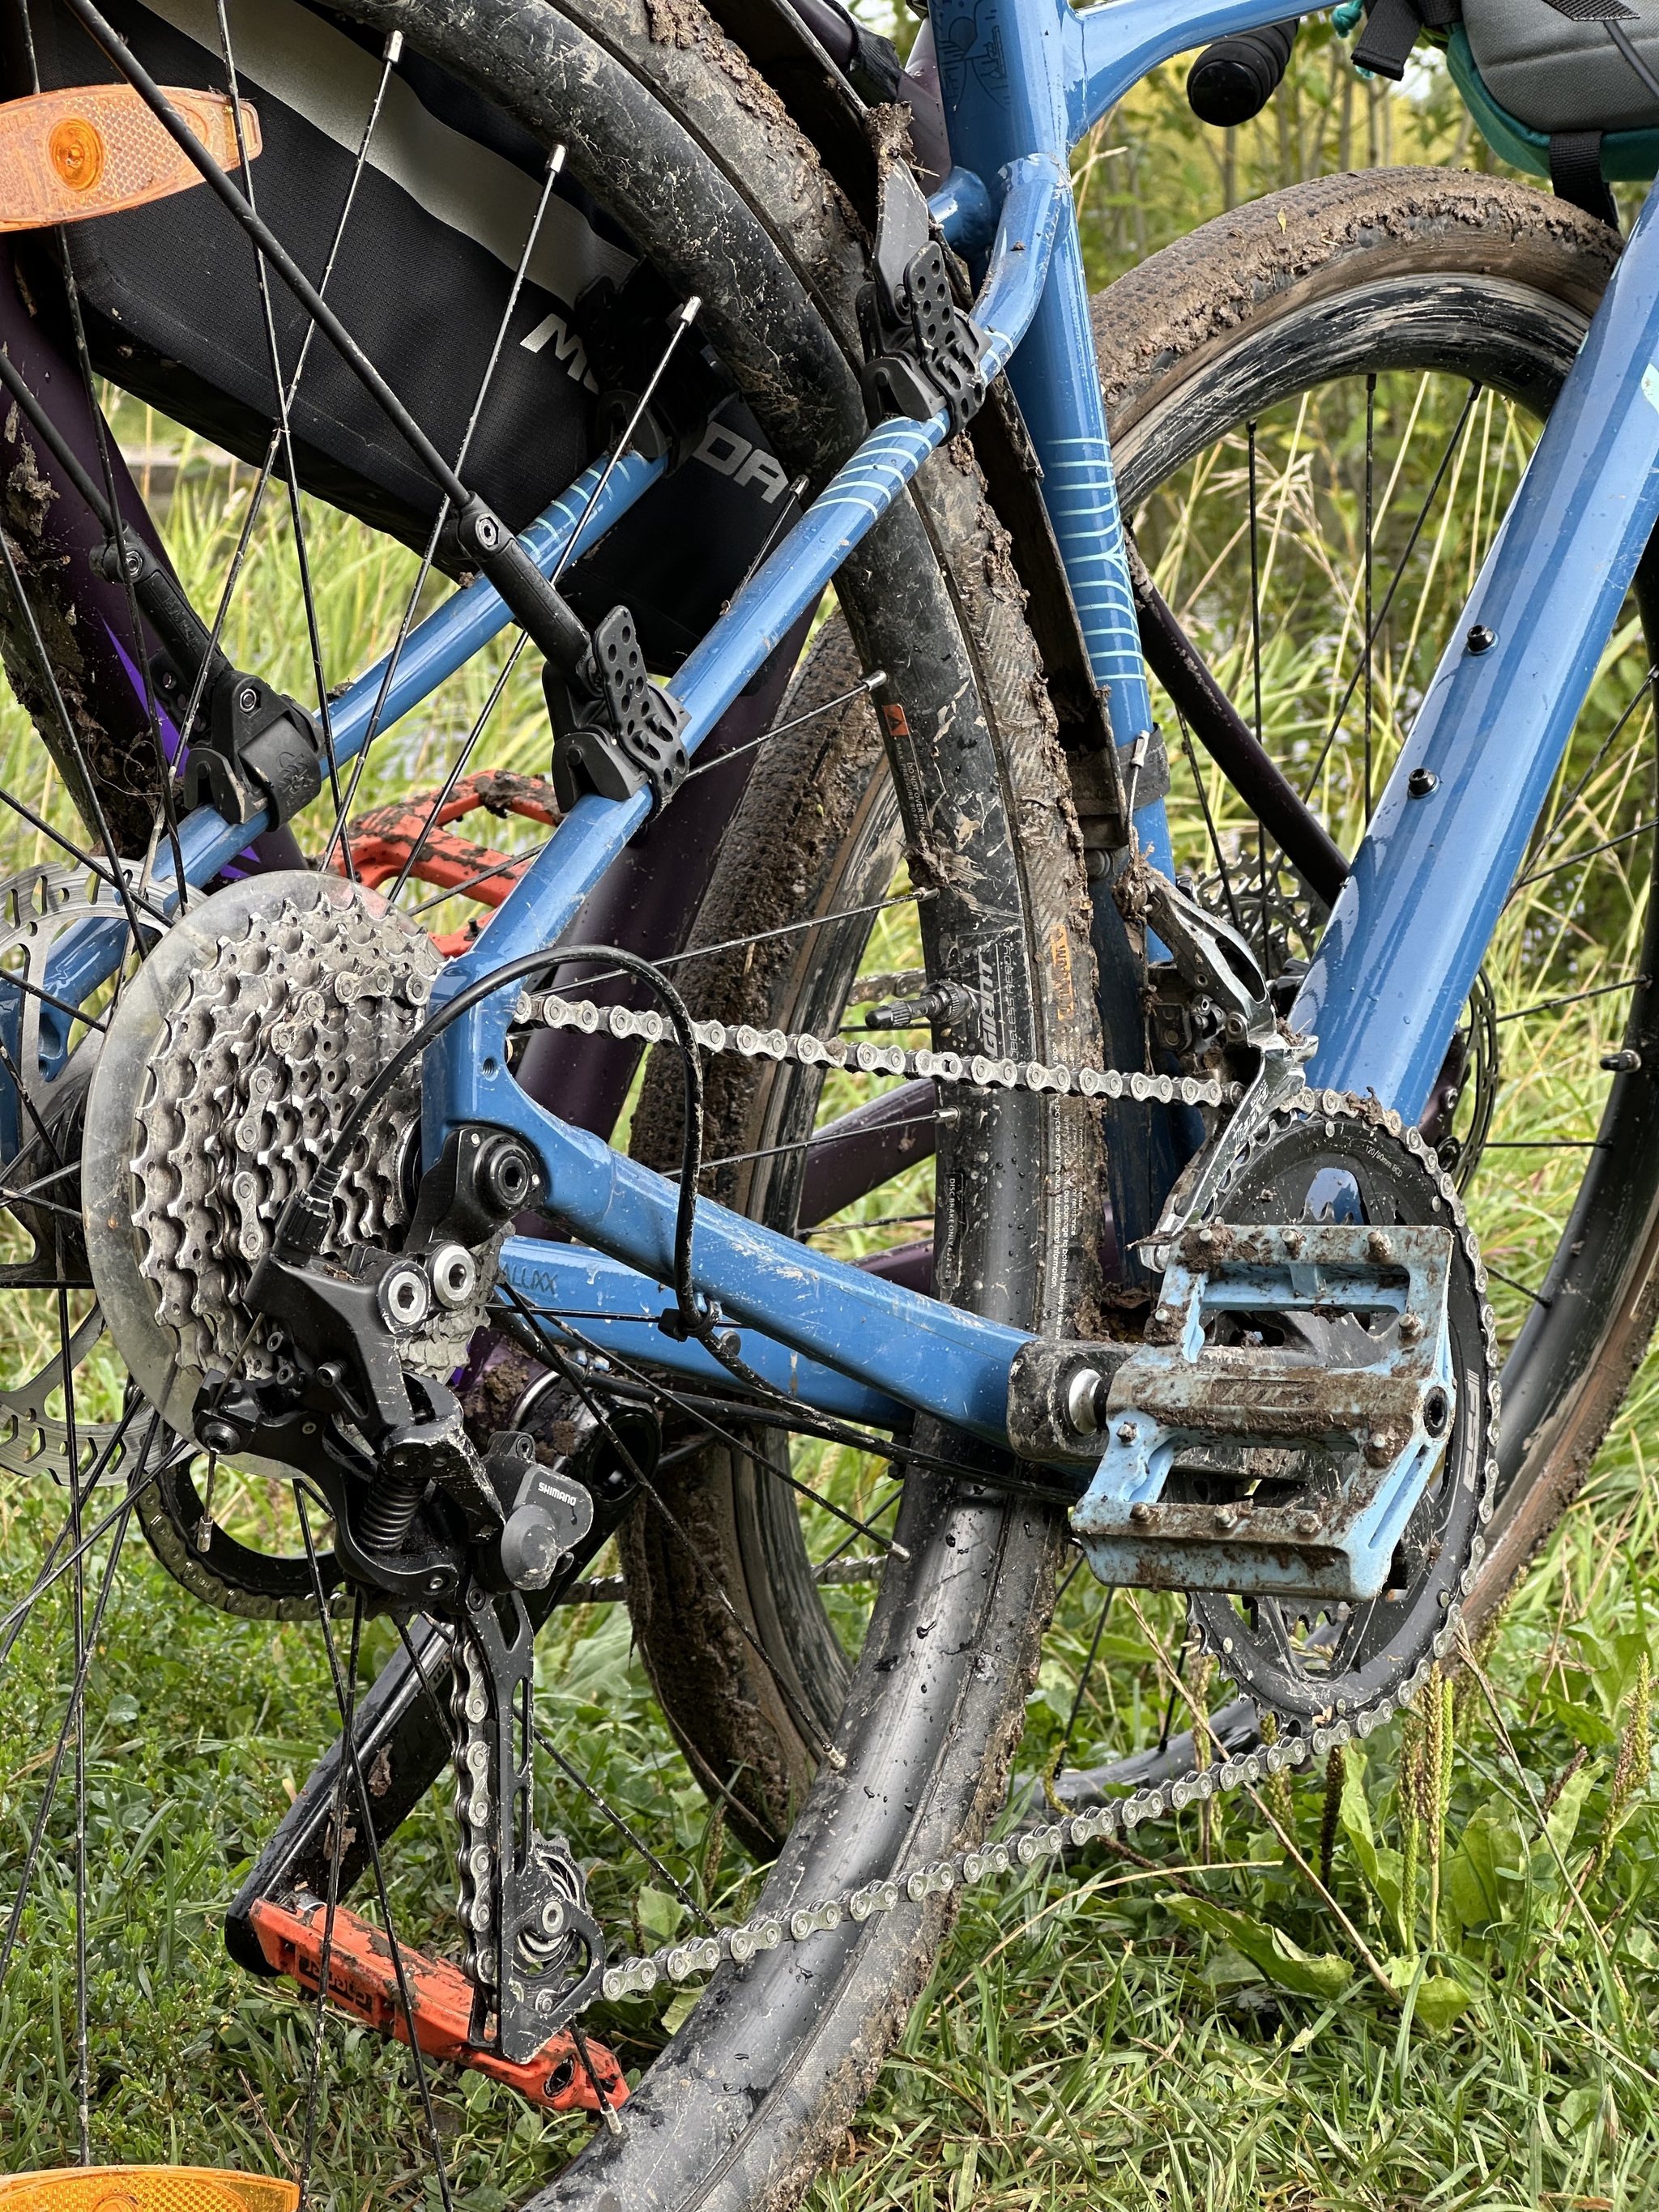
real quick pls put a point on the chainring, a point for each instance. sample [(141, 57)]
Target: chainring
[(1328, 1156)]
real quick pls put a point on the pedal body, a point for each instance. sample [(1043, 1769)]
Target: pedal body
[(1292, 1401), (363, 1979)]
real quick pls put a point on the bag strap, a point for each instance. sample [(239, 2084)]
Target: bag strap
[(1575, 173)]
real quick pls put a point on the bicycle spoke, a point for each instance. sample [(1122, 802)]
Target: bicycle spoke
[(1525, 1288), (767, 936), (20, 1612), (1375, 629), (1575, 998), (1209, 824), (1084, 1678), (78, 1616), (1576, 860), (872, 681), (450, 781), (1370, 646), (680, 322), (94, 1475), (809, 1728), (635, 1841), (819, 1137), (88, 1644), (330, 1908), (555, 164), (1555, 827), (71, 737), (1256, 685)]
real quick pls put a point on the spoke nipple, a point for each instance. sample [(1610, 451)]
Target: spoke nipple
[(1623, 1062), (899, 1551), (1421, 781)]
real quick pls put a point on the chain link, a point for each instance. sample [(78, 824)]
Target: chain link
[(977, 1071)]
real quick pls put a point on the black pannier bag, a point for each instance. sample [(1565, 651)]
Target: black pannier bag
[(422, 280)]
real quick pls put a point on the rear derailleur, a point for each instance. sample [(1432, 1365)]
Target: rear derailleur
[(425, 1523)]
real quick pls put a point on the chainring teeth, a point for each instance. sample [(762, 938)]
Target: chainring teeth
[(1344, 1718)]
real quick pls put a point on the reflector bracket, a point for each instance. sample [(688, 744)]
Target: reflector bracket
[(96, 150)]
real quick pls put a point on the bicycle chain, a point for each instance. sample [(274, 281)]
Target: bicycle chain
[(547, 1010), (681, 1961), (474, 1756)]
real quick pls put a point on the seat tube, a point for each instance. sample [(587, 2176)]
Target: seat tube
[(1002, 67), (1057, 385)]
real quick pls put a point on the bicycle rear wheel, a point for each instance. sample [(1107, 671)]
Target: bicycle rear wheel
[(687, 151)]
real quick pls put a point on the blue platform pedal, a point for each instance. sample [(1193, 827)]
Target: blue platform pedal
[(1287, 1410)]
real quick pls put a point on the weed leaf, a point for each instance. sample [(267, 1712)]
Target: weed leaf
[(1268, 1948)]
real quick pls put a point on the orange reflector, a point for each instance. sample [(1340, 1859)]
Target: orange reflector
[(64, 155), (145, 2188)]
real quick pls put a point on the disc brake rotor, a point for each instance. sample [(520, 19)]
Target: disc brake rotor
[(38, 907)]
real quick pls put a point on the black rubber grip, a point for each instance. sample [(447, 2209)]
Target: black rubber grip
[(1234, 79)]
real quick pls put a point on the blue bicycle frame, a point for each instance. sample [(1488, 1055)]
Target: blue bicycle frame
[(1025, 80)]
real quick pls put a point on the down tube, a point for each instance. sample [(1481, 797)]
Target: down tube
[(1411, 924)]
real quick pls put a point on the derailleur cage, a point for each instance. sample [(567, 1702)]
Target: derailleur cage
[(535, 1954)]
